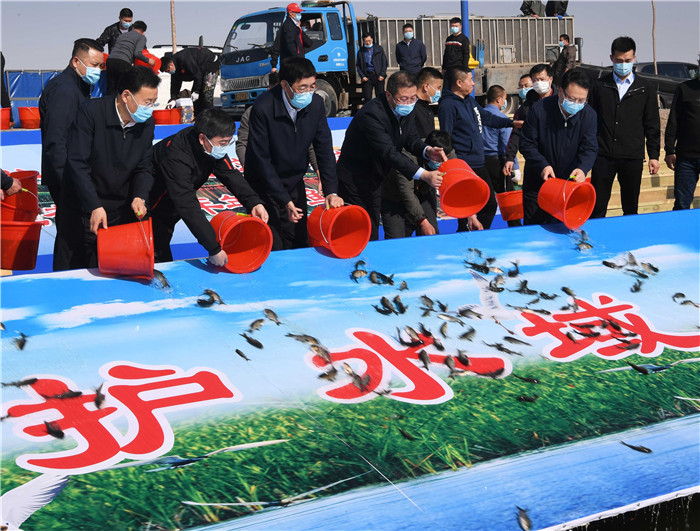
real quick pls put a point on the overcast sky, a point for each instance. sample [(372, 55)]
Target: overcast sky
[(39, 35)]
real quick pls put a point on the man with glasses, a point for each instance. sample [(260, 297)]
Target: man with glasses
[(109, 168), (373, 146), (182, 163), (284, 122), (558, 140)]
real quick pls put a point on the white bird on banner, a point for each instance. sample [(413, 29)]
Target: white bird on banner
[(20, 503)]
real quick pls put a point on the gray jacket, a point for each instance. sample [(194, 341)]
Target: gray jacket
[(129, 46)]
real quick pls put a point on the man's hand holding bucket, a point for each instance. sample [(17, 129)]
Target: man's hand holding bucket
[(138, 205), (334, 201)]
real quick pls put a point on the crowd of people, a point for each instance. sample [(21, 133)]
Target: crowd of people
[(102, 169)]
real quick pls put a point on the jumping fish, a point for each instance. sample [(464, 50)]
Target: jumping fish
[(272, 316), (252, 341)]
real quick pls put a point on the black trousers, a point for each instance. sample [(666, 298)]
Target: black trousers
[(363, 191), (285, 234), (208, 83), (372, 83), (486, 214), (163, 228), (629, 175), (501, 183), (532, 213), (115, 68), (396, 223)]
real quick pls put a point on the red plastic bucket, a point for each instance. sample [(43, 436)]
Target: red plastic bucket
[(5, 114), (19, 244), (126, 249), (511, 205), (344, 231), (155, 67), (29, 117), (462, 193), (246, 240), (22, 206), (570, 202), (167, 116)]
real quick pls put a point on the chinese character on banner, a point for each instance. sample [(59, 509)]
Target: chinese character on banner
[(49, 212), (314, 198), (209, 207), (137, 394), (230, 202), (375, 362), (606, 327)]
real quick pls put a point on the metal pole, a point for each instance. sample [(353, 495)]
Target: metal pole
[(465, 17), (172, 24)]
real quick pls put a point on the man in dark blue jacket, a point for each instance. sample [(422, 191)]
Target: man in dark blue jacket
[(462, 117), (371, 67), (284, 122), (558, 140), (109, 167), (58, 107), (410, 52)]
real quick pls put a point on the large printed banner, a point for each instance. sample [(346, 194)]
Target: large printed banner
[(524, 377)]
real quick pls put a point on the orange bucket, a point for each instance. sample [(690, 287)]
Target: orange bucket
[(570, 202), (19, 244), (126, 249), (511, 205), (155, 67), (5, 115), (167, 116), (246, 240), (344, 231), (22, 206), (462, 193), (29, 117)]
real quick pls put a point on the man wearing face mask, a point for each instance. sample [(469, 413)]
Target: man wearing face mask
[(196, 64), (109, 168), (541, 81), (111, 33), (371, 67), (58, 107), (182, 163), (374, 144), (292, 38), (410, 52), (284, 122), (566, 60), (628, 118), (457, 51), (558, 140), (129, 46)]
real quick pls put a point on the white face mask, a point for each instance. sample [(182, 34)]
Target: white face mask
[(541, 87)]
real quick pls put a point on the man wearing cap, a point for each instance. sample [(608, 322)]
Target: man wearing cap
[(291, 35)]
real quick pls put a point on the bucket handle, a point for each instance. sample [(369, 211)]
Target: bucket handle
[(235, 214), (148, 244), (320, 221)]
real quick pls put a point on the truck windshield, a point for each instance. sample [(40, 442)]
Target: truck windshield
[(253, 32)]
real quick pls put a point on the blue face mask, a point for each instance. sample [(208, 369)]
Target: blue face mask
[(142, 113), (523, 92), (304, 29), (570, 107), (217, 152), (504, 107), (434, 165), (92, 74), (297, 17), (561, 44), (126, 25), (454, 30), (408, 35), (403, 109), (299, 101), (623, 69), (435, 97), (368, 46)]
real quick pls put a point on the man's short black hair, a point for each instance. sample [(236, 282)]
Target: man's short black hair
[(406, 26), (495, 92), (576, 76), (84, 45), (214, 122), (524, 76), (564, 36), (367, 34), (165, 61), (399, 80), (623, 44), (426, 73), (295, 68), (441, 139), (454, 74), (455, 20), (140, 25), (541, 68), (136, 77), (126, 13)]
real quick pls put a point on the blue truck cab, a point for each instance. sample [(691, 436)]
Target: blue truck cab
[(245, 62)]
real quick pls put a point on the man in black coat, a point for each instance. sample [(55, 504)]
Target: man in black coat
[(284, 122), (58, 106), (196, 64), (457, 48), (628, 114), (109, 168), (182, 163), (291, 35), (373, 146), (371, 67), (111, 33)]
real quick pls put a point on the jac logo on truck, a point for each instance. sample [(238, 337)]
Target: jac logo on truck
[(242, 59)]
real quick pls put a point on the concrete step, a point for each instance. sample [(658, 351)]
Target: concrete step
[(649, 207)]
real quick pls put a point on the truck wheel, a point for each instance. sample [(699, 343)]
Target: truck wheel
[(512, 103), (330, 98)]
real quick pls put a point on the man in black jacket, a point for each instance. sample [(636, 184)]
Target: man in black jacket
[(410, 52), (291, 35), (109, 168), (129, 46), (182, 163), (284, 122), (628, 114), (196, 64), (373, 145), (566, 60), (457, 50), (556, 9), (10, 185), (58, 107), (371, 67), (111, 33)]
